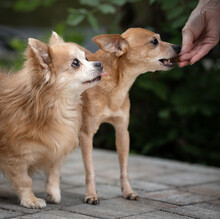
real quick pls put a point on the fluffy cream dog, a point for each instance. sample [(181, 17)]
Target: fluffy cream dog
[(40, 114)]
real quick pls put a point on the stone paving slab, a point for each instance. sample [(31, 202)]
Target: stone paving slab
[(159, 215), (202, 211), (68, 199), (212, 189), (167, 189), (119, 207), (8, 214), (56, 214), (148, 186), (185, 178), (178, 197)]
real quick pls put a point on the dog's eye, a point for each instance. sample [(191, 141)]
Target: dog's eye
[(87, 59), (75, 63), (154, 41)]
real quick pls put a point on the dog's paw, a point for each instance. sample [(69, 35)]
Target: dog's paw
[(53, 194), (54, 198), (92, 200), (132, 196), (33, 203)]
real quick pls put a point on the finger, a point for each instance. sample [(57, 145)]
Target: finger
[(182, 64), (185, 57), (187, 41), (201, 53), (188, 56)]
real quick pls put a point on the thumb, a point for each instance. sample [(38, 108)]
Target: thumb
[(187, 41)]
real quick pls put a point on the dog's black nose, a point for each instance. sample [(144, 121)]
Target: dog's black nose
[(177, 48), (98, 65)]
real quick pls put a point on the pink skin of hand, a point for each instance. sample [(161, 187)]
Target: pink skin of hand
[(201, 32)]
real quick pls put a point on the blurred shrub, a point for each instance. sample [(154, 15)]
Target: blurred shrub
[(31, 5), (95, 7)]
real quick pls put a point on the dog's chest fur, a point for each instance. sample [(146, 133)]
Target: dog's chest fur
[(38, 130)]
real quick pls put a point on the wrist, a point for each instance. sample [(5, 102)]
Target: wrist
[(209, 4), (203, 2)]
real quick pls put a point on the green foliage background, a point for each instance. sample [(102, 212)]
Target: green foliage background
[(174, 114)]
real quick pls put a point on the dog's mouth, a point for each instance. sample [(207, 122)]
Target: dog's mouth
[(96, 79), (169, 62), (93, 80)]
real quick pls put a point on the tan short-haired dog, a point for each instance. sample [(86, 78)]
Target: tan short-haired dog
[(123, 57), (40, 114)]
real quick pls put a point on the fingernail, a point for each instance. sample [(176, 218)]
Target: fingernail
[(191, 63)]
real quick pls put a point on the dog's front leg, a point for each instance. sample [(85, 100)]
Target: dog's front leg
[(87, 149), (123, 145), (53, 182), (18, 174)]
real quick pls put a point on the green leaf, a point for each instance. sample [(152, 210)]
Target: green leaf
[(182, 97), (186, 109), (75, 19), (166, 5), (118, 2), (164, 114), (48, 3), (106, 9), (206, 110), (60, 28), (91, 3), (158, 88), (93, 21), (147, 148), (78, 11), (179, 22), (176, 73), (17, 44), (133, 1), (175, 12), (192, 4), (74, 36), (152, 1), (172, 134), (31, 5), (26, 6)]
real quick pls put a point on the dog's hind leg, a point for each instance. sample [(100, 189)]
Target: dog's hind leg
[(53, 182), (123, 145), (18, 174)]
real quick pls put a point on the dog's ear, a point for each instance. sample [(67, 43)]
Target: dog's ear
[(55, 39), (112, 43), (40, 52)]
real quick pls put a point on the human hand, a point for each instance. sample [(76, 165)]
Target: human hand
[(201, 32)]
